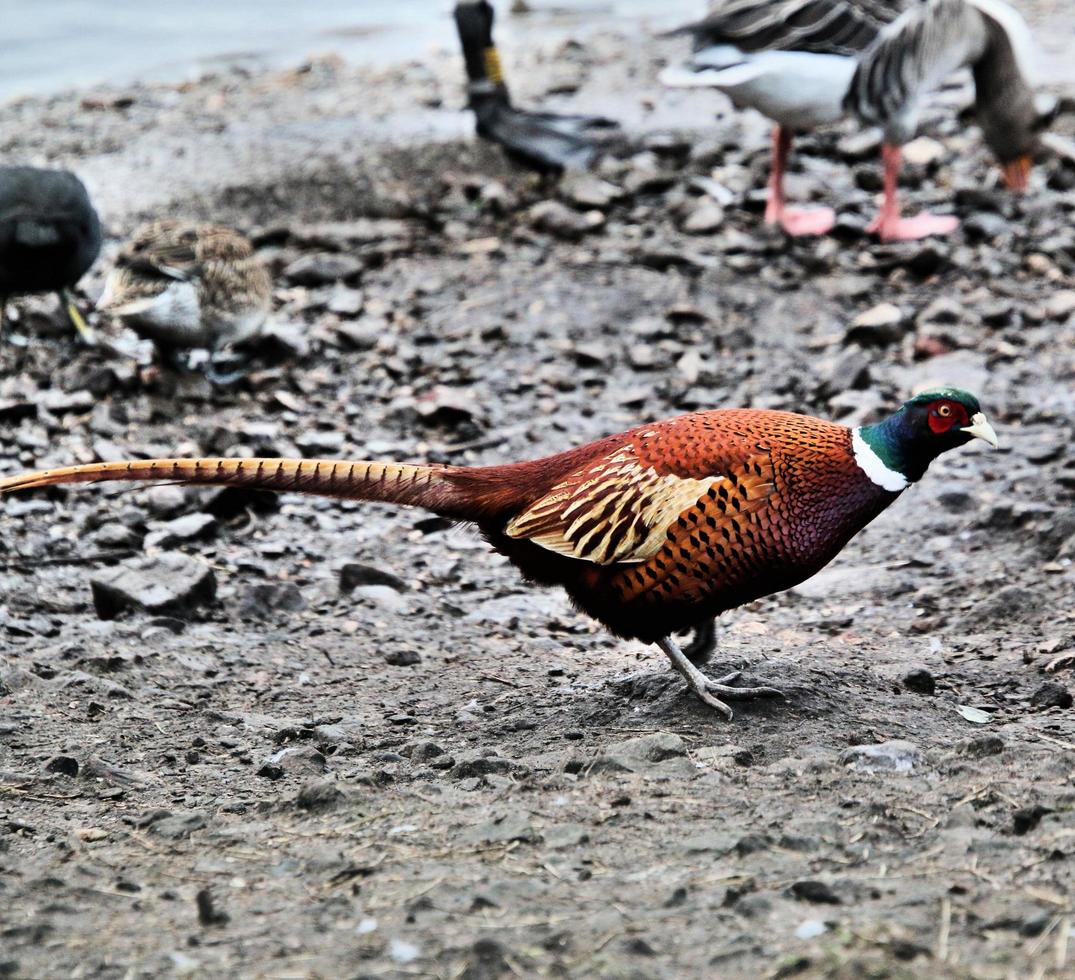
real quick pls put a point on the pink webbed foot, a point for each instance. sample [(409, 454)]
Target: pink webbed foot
[(893, 228), (807, 221)]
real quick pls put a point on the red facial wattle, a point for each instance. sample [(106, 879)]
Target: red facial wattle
[(947, 415)]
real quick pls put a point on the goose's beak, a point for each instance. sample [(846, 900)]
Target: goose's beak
[(1017, 173), (980, 428)]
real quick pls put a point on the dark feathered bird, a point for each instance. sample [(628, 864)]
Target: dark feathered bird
[(805, 63), (544, 141), (49, 236), (653, 531)]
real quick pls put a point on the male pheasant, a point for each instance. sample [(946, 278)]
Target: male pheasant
[(653, 531)]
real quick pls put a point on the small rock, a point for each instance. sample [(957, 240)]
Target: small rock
[(894, 756), (403, 658), (923, 151), (322, 268), (208, 913), (449, 407), (480, 765), (190, 527), (320, 443), (982, 746), (170, 584), (425, 752), (1051, 694), (588, 190), (562, 836), (878, 326), (266, 600), (62, 765), (661, 753), (296, 759), (919, 680), (705, 218), (814, 891), (564, 222), (1061, 304), (355, 574), (319, 796), (513, 826)]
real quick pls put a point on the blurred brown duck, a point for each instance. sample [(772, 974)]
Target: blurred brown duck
[(187, 285)]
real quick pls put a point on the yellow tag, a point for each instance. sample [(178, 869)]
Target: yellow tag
[(493, 71)]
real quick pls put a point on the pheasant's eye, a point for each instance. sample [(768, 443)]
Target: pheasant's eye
[(944, 411)]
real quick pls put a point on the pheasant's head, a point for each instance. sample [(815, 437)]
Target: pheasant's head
[(896, 451)]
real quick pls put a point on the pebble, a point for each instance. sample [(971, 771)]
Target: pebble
[(893, 756), (919, 680), (322, 268), (705, 218), (558, 219), (816, 892), (1061, 304), (169, 584), (354, 574), (266, 600), (295, 759), (658, 754), (190, 527), (319, 796), (1051, 694), (878, 326)]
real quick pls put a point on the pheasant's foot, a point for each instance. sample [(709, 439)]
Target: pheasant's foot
[(706, 689), (721, 686)]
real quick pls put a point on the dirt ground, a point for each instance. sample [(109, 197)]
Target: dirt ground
[(352, 742)]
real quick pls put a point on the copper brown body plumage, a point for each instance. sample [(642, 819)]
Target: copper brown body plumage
[(651, 531)]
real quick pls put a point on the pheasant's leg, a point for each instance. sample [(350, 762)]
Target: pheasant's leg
[(888, 225), (704, 688), (703, 645), (76, 318), (795, 221)]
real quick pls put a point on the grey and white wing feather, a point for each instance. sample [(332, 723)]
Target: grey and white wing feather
[(910, 58), (821, 26)]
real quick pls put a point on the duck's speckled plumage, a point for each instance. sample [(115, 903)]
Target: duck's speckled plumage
[(187, 284)]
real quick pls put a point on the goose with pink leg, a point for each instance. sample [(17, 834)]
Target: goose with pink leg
[(808, 63)]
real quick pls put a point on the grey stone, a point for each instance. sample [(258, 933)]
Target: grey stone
[(512, 826), (190, 527), (322, 268), (169, 584), (657, 754), (894, 756), (564, 222)]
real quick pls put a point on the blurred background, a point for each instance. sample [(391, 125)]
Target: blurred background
[(50, 45)]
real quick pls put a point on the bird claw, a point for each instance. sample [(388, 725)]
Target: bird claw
[(722, 685)]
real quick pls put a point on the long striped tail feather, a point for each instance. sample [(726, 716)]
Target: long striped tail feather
[(403, 483)]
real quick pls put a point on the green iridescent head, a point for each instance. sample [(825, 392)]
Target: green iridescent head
[(927, 425)]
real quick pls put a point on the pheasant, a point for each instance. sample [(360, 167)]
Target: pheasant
[(184, 284), (656, 530), (49, 237)]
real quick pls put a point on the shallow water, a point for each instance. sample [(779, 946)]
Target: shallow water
[(50, 45)]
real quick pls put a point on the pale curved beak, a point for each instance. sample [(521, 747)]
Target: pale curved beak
[(981, 429)]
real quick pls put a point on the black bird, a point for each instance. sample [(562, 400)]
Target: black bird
[(545, 141), (49, 236)]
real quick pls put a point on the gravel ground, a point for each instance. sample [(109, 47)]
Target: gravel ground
[(297, 738)]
